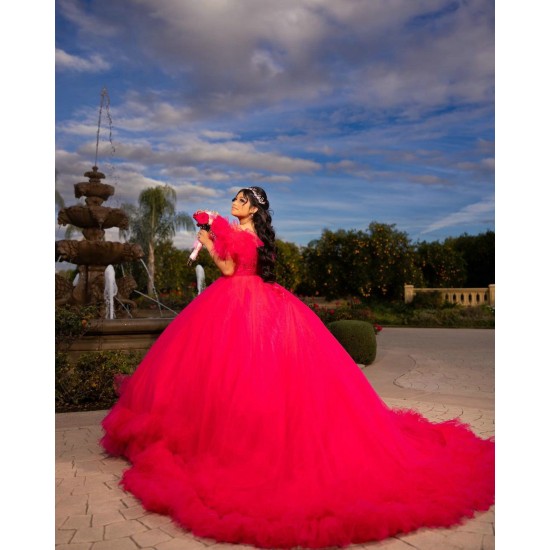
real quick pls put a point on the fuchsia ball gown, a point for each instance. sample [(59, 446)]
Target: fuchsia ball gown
[(248, 422)]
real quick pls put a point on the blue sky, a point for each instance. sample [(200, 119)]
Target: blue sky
[(345, 112)]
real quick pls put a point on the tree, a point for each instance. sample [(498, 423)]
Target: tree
[(289, 267), (391, 262), (442, 266), (336, 264), (173, 273), (372, 264), (479, 254), (60, 204), (155, 221)]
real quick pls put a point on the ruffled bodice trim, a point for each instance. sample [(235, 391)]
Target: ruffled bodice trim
[(240, 245)]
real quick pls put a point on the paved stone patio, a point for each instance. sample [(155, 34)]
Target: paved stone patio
[(442, 373)]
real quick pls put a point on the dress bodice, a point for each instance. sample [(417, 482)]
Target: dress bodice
[(246, 264), (241, 245)]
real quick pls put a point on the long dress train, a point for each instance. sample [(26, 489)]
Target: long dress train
[(248, 422)]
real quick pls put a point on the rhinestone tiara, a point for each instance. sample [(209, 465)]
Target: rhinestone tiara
[(257, 195)]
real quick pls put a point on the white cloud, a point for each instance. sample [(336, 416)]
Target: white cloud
[(184, 239), (429, 179), (66, 61), (248, 53), (217, 135), (88, 24), (192, 192), (479, 212), (483, 165), (193, 152), (265, 65), (244, 155)]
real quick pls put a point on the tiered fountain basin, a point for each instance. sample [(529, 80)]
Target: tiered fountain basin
[(93, 254), (98, 253), (87, 216)]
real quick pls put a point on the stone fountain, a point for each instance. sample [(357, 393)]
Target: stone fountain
[(94, 254)]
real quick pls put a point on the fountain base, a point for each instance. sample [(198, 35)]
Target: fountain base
[(119, 334)]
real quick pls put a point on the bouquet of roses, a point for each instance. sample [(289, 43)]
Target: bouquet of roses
[(204, 219)]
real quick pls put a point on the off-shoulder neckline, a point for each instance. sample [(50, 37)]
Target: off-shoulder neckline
[(246, 230)]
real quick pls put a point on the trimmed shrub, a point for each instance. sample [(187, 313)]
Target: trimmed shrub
[(358, 339)]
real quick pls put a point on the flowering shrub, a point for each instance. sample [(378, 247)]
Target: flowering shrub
[(342, 311), (71, 323), (92, 381), (400, 314)]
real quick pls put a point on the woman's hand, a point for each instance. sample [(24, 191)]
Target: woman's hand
[(204, 238), (227, 266)]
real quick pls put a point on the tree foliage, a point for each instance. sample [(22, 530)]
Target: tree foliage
[(335, 263), (59, 205), (478, 252), (289, 268), (173, 273), (391, 261), (155, 221), (442, 265), (376, 263)]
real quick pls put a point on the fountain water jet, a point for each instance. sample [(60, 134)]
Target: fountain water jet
[(110, 292), (201, 285)]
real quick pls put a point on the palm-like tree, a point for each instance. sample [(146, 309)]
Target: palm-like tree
[(59, 205), (153, 221)]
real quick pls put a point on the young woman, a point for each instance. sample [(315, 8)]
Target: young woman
[(248, 422)]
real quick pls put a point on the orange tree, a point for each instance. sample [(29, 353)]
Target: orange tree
[(335, 264), (289, 267), (372, 264), (441, 265), (390, 263)]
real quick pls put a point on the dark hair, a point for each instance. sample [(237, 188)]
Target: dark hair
[(262, 224)]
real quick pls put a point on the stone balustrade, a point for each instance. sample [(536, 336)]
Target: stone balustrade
[(464, 296)]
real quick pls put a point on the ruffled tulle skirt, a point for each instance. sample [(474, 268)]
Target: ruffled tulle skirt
[(248, 422)]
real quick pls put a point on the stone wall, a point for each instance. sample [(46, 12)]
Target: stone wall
[(464, 296)]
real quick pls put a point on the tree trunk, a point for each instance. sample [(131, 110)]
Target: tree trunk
[(151, 269)]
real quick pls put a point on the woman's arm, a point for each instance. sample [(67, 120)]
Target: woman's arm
[(227, 266)]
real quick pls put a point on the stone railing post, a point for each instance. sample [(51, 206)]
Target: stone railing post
[(492, 295), (409, 293)]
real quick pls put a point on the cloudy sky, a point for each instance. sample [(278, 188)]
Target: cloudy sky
[(346, 112)]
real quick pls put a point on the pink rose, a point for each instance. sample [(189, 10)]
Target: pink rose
[(201, 218)]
